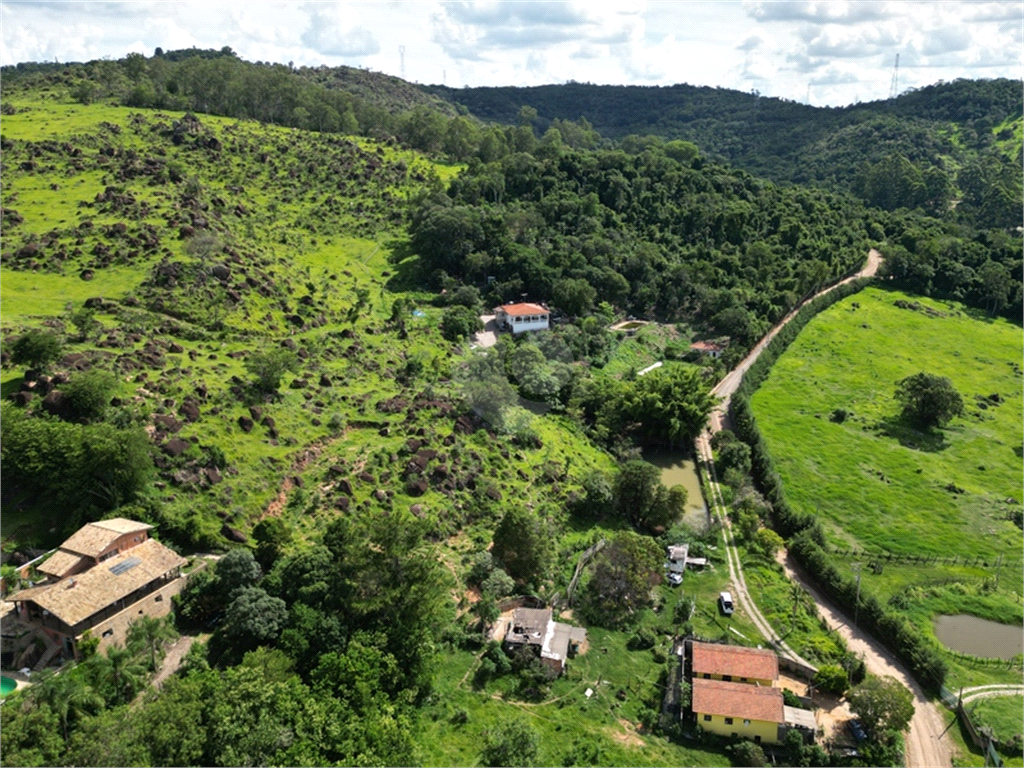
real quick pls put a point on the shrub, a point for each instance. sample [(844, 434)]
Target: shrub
[(36, 348), (460, 322), (831, 678), (641, 641)]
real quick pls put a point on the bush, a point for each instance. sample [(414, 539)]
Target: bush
[(511, 743), (641, 641), (460, 322), (747, 753), (88, 394), (269, 366), (831, 678), (36, 348)]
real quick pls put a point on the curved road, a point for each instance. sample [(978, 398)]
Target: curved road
[(988, 691), (926, 742)]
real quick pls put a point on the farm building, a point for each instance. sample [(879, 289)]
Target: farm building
[(737, 710), (708, 348), (554, 640), (103, 599), (522, 317), (733, 663)]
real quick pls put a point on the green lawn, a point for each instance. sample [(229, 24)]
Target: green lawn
[(873, 481), (607, 720), (1004, 714)]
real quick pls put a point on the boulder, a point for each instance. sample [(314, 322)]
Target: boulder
[(233, 534), (256, 412), (54, 404), (22, 398), (416, 510), (345, 486), (325, 380), (176, 446), (190, 411), (175, 348), (342, 503), (268, 422), (245, 423)]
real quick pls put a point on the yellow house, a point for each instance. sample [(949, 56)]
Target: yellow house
[(733, 663), (739, 710)]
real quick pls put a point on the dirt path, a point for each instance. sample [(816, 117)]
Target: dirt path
[(732, 557), (926, 742), (988, 691), (173, 659), (731, 382)]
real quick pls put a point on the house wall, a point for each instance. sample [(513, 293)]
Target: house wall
[(124, 542), (156, 604), (764, 683), (536, 325), (768, 732)]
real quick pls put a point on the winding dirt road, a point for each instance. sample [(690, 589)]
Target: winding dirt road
[(927, 745)]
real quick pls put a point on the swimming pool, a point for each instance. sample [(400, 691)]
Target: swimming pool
[(7, 685)]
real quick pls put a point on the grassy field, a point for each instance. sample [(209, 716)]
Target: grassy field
[(877, 484), (1003, 714), (873, 481)]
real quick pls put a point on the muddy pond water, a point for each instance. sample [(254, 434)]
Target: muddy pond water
[(979, 637), (678, 468)]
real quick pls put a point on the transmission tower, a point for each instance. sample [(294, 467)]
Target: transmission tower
[(401, 60), (895, 86)]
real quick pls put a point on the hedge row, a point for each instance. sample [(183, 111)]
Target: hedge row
[(896, 632), (806, 536), (784, 519)]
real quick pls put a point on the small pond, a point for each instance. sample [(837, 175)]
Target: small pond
[(678, 468), (980, 637)]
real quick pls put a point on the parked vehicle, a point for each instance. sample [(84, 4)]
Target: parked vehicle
[(857, 730), (725, 603), (675, 579)]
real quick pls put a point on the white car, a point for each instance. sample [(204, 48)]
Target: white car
[(725, 601), (675, 579)]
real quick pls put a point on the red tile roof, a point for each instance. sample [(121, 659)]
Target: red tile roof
[(739, 700), (522, 309), (706, 346), (734, 660)]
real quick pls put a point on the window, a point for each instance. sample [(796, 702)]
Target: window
[(743, 679), (158, 599), (728, 721), (108, 633), (746, 722), (727, 678), (707, 676), (707, 718)]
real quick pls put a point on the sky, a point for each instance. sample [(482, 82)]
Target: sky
[(823, 53)]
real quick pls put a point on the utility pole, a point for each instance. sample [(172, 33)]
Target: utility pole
[(856, 603), (894, 86)]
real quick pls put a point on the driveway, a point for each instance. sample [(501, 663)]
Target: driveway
[(488, 337)]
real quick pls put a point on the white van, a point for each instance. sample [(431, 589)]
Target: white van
[(725, 602)]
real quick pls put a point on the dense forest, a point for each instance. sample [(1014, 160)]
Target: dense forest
[(944, 131)]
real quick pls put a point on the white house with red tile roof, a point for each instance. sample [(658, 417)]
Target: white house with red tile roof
[(522, 317)]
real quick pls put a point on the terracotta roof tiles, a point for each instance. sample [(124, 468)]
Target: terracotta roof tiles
[(734, 660), (739, 700)]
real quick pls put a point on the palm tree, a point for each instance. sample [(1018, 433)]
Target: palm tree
[(799, 597), (151, 634), (67, 695), (125, 673)]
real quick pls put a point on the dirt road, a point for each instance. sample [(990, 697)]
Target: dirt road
[(729, 384), (926, 742)]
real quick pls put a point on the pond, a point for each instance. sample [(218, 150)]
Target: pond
[(979, 637), (678, 468), (7, 685)]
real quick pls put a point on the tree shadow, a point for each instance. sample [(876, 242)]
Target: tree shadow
[(909, 436), (406, 271)]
